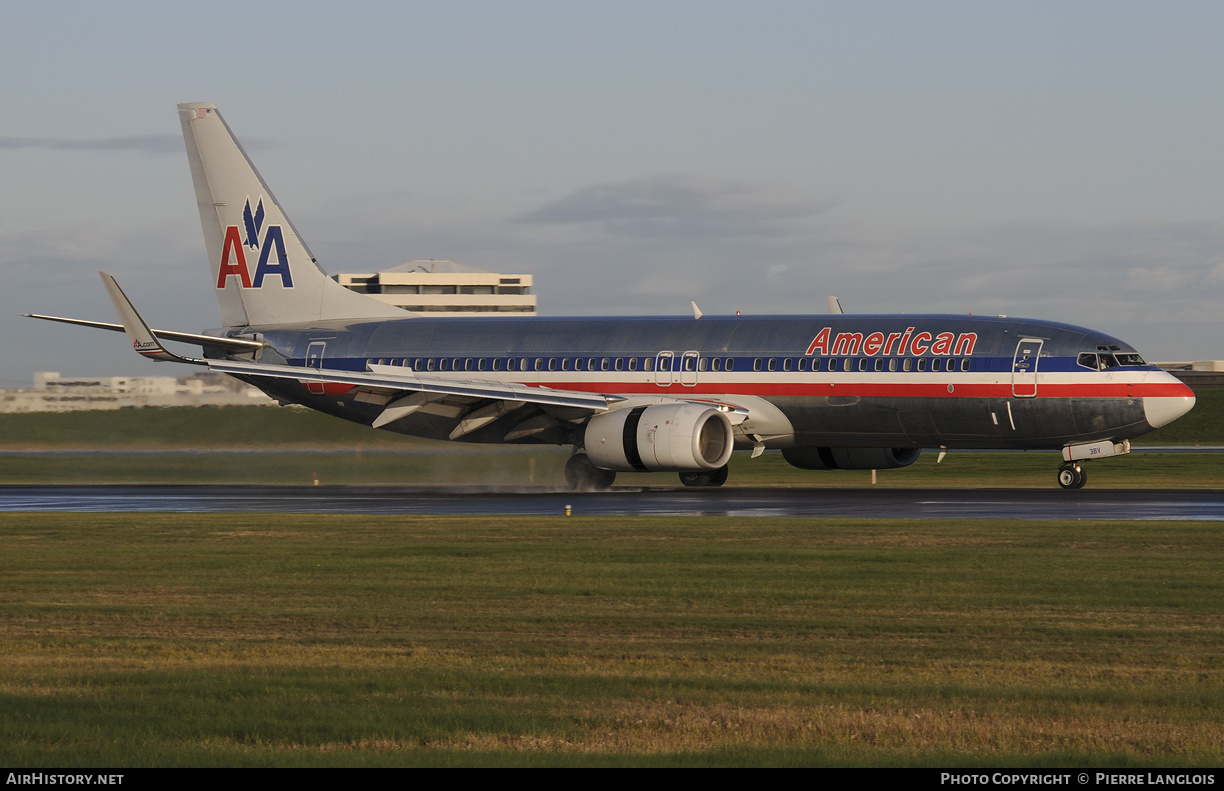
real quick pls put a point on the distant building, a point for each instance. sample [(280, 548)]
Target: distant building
[(1197, 373), (446, 287), (54, 393)]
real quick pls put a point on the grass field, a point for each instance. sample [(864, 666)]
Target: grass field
[(132, 640), (298, 446), (294, 428), (492, 466)]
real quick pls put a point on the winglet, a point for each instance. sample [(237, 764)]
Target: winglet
[(835, 305), (138, 332)]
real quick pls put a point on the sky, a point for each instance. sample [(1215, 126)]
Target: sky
[(1052, 160)]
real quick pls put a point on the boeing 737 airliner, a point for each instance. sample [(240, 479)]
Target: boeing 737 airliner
[(634, 394)]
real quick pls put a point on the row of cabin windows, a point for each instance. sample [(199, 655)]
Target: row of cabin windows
[(686, 363)]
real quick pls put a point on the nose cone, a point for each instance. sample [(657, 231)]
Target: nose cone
[(1170, 399)]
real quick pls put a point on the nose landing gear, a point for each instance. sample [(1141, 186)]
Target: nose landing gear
[(1072, 476)]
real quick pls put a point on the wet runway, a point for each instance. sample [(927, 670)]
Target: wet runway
[(729, 501)]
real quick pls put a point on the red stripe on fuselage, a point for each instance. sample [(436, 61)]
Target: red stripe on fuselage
[(881, 390)]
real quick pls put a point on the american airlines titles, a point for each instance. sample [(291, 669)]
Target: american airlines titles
[(901, 344)]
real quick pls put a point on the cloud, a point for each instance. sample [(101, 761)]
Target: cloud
[(144, 144), (677, 205), (147, 144)]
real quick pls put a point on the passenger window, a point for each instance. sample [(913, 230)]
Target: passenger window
[(756, 364), (965, 364), (702, 364), (848, 365), (633, 363), (481, 364), (729, 365), (935, 364), (496, 363), (510, 364), (802, 364), (879, 364), (648, 364), (539, 363), (418, 364), (619, 365), (892, 364), (907, 364), (467, 364), (444, 364), (786, 364), (430, 364), (863, 364)]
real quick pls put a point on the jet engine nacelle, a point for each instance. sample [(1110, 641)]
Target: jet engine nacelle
[(660, 438), (850, 458)]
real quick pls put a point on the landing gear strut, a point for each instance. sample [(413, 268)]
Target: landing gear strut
[(582, 475), (705, 478), (1072, 476)]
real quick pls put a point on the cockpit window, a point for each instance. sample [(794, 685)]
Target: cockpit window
[(1104, 361)]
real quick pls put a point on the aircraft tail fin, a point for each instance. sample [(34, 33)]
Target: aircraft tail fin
[(262, 270)]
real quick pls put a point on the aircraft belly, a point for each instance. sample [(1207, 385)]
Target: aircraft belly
[(851, 421)]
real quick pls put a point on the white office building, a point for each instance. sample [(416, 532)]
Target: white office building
[(434, 287)]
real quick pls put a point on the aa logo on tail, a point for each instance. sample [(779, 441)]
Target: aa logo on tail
[(271, 249)]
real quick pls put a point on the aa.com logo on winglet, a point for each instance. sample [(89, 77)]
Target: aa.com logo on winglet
[(270, 248)]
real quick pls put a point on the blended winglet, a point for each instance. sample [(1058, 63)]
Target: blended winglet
[(142, 338)]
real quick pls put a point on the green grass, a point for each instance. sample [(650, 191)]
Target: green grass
[(357, 455), (1203, 425), (274, 427), (132, 640), (494, 466), (203, 427)]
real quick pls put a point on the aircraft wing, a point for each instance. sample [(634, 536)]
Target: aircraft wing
[(474, 403), (402, 391), (229, 344), (394, 378)]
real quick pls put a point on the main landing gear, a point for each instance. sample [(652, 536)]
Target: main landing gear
[(582, 475), (1072, 476), (705, 478)]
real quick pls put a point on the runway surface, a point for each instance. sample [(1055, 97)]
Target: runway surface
[(729, 501)]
